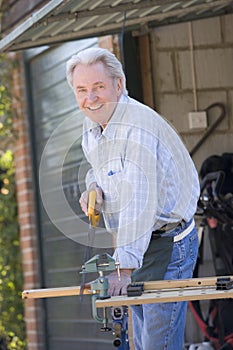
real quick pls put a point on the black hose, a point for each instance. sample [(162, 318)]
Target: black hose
[(212, 127)]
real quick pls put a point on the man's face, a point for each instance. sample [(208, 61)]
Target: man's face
[(95, 91)]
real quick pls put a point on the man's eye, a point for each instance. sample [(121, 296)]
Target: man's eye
[(81, 91), (100, 87)]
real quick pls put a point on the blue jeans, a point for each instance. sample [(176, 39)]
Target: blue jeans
[(161, 326)]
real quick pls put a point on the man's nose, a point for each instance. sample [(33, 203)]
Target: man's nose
[(91, 96)]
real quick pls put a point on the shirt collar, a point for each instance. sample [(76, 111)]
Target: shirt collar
[(110, 129)]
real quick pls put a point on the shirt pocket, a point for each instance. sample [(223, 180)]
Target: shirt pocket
[(111, 180)]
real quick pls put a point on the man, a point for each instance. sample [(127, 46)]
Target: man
[(147, 188)]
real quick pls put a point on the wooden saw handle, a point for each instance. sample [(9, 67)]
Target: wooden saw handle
[(93, 218)]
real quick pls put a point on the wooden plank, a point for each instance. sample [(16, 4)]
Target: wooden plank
[(146, 70), (184, 283), (159, 286), (166, 296), (53, 292)]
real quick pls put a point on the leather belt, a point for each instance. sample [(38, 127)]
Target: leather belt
[(169, 227), (184, 233)]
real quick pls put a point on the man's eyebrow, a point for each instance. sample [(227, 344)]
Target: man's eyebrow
[(94, 84), (80, 87), (98, 82)]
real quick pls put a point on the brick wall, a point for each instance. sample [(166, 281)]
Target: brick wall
[(26, 210)]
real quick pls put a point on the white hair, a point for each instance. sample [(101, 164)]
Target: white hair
[(93, 55)]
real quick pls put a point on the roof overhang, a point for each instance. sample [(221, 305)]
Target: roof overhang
[(65, 20)]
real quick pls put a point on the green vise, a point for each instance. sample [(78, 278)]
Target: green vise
[(100, 263)]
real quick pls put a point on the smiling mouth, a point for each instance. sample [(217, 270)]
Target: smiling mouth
[(94, 108)]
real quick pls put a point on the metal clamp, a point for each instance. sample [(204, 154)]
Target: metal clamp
[(135, 289), (224, 283), (100, 263)]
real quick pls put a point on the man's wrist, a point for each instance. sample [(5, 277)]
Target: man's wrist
[(92, 186)]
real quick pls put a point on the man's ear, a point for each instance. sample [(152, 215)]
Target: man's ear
[(119, 86)]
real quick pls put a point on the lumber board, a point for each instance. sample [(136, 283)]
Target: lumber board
[(166, 296), (183, 283), (53, 292), (148, 286)]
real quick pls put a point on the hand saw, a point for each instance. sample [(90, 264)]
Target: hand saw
[(93, 223)]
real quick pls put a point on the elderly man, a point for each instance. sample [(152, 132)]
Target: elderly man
[(147, 189)]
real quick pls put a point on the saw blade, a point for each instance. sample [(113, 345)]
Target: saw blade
[(93, 222)]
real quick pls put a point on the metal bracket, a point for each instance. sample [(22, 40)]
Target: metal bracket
[(224, 283), (135, 289)]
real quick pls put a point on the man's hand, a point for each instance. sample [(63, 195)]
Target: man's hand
[(117, 287), (99, 198)]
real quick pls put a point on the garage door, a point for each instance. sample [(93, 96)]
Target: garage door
[(68, 321)]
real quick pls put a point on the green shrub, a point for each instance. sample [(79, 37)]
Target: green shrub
[(12, 327)]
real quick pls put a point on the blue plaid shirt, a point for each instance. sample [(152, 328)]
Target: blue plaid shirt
[(146, 174)]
